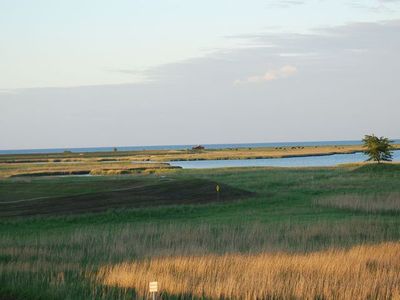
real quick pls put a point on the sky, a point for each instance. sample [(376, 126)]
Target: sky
[(124, 73)]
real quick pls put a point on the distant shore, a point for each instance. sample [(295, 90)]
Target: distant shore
[(148, 161), (186, 147), (187, 154)]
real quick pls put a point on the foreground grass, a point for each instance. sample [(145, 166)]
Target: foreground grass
[(65, 264), (75, 256), (363, 272)]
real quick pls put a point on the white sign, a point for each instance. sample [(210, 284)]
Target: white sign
[(153, 287)]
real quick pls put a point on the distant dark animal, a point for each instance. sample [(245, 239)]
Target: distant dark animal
[(198, 147)]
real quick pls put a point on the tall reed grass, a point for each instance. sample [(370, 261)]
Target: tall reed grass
[(363, 272), (65, 264)]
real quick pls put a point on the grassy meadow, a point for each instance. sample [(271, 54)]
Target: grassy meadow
[(370, 272), (277, 233)]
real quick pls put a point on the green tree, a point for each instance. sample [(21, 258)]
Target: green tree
[(378, 149)]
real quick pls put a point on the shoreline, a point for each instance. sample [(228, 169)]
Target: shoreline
[(148, 156), (212, 146), (276, 157), (150, 161)]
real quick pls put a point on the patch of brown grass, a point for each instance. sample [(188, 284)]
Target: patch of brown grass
[(362, 272), (368, 203), (87, 167)]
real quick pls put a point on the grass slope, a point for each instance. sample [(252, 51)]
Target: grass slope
[(136, 194)]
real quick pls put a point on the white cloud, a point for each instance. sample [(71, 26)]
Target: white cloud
[(273, 74)]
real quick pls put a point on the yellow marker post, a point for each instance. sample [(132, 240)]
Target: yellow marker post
[(217, 188)]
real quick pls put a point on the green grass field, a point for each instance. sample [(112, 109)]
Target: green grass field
[(56, 232)]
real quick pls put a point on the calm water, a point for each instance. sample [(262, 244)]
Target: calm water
[(179, 147), (309, 161)]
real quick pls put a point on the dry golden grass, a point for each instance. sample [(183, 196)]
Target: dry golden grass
[(168, 155), (84, 167), (369, 203), (362, 272), (251, 153), (192, 258)]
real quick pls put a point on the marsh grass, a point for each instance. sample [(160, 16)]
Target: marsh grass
[(362, 272), (389, 202), (82, 167), (67, 264)]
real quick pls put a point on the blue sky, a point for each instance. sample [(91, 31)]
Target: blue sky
[(229, 71)]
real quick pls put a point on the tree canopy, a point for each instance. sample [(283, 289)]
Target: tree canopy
[(378, 148)]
